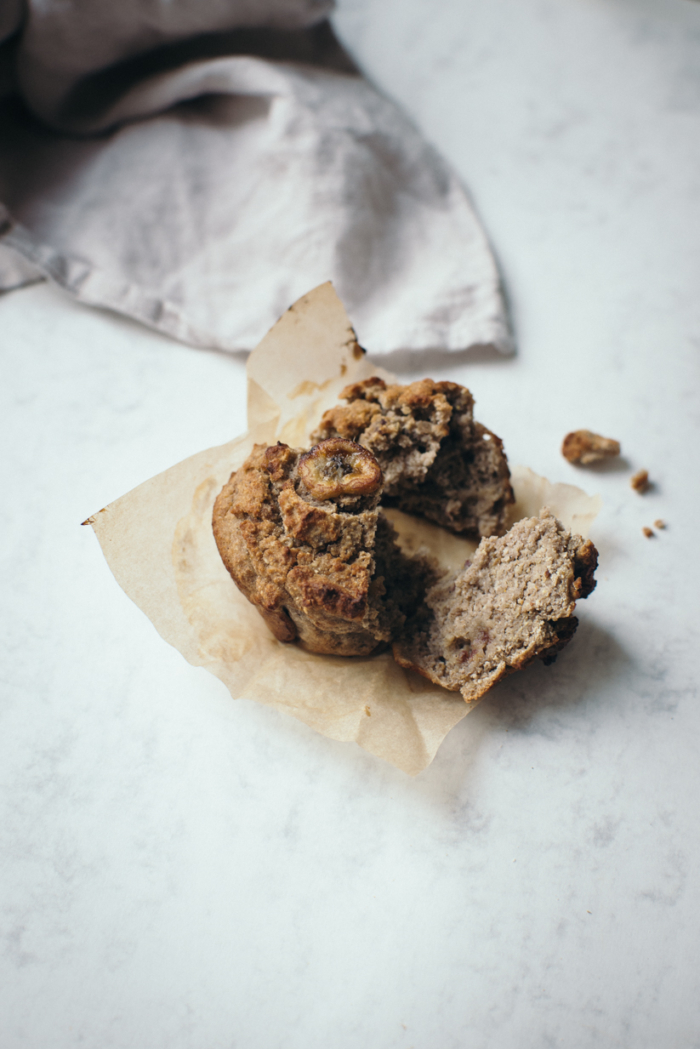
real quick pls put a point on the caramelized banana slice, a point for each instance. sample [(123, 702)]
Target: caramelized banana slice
[(336, 468)]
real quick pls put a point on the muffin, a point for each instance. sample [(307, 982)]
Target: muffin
[(437, 462), (303, 538), (512, 603)]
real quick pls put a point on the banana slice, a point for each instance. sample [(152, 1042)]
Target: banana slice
[(337, 468)]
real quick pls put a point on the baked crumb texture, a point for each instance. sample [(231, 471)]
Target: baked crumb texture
[(648, 532), (436, 460), (325, 570), (586, 447), (640, 481), (514, 602)]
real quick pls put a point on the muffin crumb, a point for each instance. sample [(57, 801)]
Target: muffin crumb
[(648, 532), (585, 447), (640, 481), (659, 523)]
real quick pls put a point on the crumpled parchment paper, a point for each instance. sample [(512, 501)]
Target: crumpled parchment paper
[(159, 544)]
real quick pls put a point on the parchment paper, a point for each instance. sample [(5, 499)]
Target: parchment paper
[(159, 544)]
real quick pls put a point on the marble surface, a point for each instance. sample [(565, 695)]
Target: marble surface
[(179, 870)]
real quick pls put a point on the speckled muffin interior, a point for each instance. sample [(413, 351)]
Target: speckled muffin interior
[(512, 603), (437, 462), (316, 556)]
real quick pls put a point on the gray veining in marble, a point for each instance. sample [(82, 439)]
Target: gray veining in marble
[(179, 871)]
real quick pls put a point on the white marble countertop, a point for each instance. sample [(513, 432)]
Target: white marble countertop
[(183, 871)]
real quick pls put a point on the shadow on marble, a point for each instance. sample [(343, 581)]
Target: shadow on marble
[(538, 701), (406, 362), (238, 357), (541, 701), (609, 466), (593, 660), (409, 362)]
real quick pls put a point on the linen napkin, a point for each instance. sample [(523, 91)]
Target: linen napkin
[(199, 165)]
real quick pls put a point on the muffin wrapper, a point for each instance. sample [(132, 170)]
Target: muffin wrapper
[(158, 542)]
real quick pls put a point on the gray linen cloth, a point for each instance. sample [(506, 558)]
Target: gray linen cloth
[(200, 164)]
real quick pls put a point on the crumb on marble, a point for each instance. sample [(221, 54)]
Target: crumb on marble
[(658, 523), (648, 532), (586, 447), (640, 481)]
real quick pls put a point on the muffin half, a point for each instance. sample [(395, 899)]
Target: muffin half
[(437, 462), (303, 538), (512, 603)]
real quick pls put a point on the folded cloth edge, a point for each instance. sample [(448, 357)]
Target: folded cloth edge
[(93, 287)]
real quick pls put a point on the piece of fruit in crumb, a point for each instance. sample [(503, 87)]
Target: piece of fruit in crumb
[(586, 447)]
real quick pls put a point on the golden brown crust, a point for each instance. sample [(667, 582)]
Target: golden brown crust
[(279, 624), (349, 420), (329, 573), (307, 524), (342, 593), (585, 564), (368, 390)]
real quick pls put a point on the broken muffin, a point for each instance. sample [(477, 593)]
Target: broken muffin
[(512, 603), (303, 539), (437, 462)]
